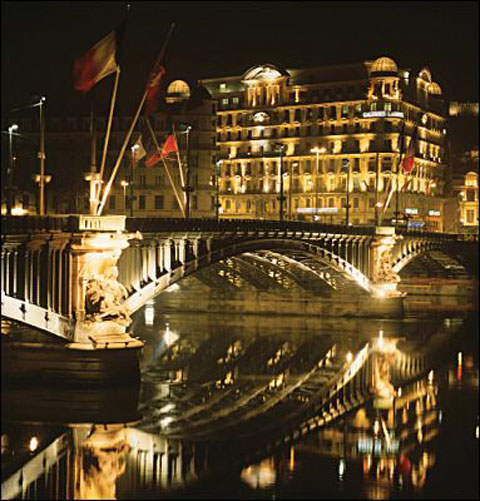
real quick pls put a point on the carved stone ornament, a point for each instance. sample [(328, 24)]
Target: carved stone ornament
[(104, 294)]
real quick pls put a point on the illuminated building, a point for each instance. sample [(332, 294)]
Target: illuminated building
[(461, 209), (326, 127), (68, 158)]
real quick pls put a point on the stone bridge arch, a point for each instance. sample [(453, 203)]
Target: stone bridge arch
[(152, 278)]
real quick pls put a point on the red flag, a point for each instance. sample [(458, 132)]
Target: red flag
[(96, 64), (409, 159), (153, 159), (153, 88), (170, 146)]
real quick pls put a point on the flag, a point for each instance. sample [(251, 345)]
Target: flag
[(409, 159), (153, 159), (138, 151), (170, 146), (153, 87), (97, 63)]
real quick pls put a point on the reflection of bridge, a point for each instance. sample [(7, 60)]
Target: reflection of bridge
[(60, 274), (98, 461)]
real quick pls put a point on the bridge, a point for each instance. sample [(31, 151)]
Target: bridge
[(80, 277)]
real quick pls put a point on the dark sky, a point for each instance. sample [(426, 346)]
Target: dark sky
[(40, 40)]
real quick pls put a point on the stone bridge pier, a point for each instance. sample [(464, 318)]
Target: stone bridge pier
[(62, 277)]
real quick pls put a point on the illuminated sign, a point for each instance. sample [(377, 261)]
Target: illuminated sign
[(410, 210), (313, 210), (434, 212), (375, 114)]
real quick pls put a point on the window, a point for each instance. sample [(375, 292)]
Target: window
[(141, 202), (470, 195), (112, 202), (356, 165), (158, 180), (235, 100), (249, 205), (321, 113), (158, 201), (344, 202), (333, 113), (470, 216), (331, 202), (371, 203), (142, 180), (223, 87), (228, 204), (355, 203), (225, 101)]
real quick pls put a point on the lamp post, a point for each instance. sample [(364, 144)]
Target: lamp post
[(188, 189), (281, 198), (317, 152), (217, 197), (134, 148), (41, 156), (10, 169), (346, 165), (124, 185)]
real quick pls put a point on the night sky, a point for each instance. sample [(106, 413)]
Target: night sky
[(40, 41)]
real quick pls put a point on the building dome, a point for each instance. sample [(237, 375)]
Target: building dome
[(384, 65), (425, 75), (177, 90), (264, 72), (434, 88)]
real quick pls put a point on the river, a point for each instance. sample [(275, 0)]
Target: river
[(200, 426)]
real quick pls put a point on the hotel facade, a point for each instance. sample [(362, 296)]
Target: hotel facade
[(306, 143)]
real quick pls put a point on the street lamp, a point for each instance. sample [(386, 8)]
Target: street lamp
[(346, 165), (217, 198), (317, 152), (281, 149), (124, 185), (134, 148), (10, 169), (41, 156), (188, 189)]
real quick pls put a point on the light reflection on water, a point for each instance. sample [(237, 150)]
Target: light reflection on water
[(196, 368)]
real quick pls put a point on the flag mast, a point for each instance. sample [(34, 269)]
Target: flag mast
[(157, 146), (108, 187)]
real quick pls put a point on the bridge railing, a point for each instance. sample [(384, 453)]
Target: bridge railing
[(147, 224), (68, 223)]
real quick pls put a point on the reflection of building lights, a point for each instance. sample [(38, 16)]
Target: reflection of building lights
[(476, 432), (376, 427), (380, 341), (169, 336), (33, 444), (341, 468), (459, 358), (399, 392), (149, 313), (430, 377), (349, 357)]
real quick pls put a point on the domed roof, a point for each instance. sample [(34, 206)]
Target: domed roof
[(264, 72), (434, 88), (425, 74), (178, 87), (384, 64)]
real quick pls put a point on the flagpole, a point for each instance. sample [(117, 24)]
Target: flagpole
[(157, 146), (180, 167), (132, 126), (174, 189), (109, 127)]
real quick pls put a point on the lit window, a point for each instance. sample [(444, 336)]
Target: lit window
[(223, 87)]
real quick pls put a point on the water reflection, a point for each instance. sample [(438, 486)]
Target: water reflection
[(206, 410)]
